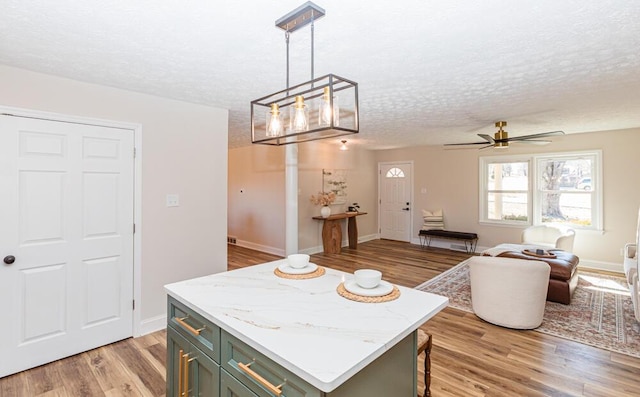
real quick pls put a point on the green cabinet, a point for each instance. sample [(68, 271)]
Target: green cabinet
[(190, 372), (259, 373), (231, 387), (203, 360)]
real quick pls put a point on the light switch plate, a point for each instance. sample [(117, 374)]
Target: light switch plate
[(173, 200)]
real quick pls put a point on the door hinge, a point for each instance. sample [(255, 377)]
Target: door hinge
[(134, 153), (134, 228), (134, 304)]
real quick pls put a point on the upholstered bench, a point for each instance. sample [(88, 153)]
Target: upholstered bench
[(564, 272), (470, 239)]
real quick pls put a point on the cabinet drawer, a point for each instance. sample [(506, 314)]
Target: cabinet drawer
[(230, 387), (261, 375), (195, 328)]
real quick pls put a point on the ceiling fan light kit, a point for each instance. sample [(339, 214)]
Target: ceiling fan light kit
[(321, 108), (501, 138)]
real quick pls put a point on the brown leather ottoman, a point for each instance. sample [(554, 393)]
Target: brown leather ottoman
[(564, 275)]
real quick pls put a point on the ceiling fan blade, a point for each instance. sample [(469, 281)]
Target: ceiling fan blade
[(534, 142), (486, 147), (487, 138), (465, 144), (540, 135)]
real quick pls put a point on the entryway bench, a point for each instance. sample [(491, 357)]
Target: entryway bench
[(470, 239)]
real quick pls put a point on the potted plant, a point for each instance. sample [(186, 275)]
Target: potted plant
[(324, 199)]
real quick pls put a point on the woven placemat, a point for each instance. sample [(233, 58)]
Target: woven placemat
[(316, 273), (394, 294)]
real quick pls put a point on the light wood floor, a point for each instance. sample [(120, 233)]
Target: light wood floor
[(469, 358)]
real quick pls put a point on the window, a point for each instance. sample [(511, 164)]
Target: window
[(395, 173), (506, 194), (559, 188), (566, 190)]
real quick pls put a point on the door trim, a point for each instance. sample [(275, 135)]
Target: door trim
[(380, 165), (137, 189)]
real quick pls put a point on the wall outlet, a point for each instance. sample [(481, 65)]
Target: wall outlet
[(173, 200), (231, 240)]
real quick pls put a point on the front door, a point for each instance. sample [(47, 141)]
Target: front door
[(395, 185), (66, 239)]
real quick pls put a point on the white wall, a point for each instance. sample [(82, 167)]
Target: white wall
[(256, 216), (184, 151)]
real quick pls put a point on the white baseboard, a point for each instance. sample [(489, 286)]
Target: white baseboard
[(598, 265), (153, 324), (368, 237), (584, 263), (448, 244), (311, 250), (260, 247)]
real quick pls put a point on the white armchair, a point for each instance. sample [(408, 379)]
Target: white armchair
[(509, 292), (631, 273), (632, 270), (549, 237)]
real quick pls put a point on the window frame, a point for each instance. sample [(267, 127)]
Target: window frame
[(485, 161), (534, 194)]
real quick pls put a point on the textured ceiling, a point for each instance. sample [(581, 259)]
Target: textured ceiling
[(429, 72)]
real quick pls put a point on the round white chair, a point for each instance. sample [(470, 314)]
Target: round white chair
[(509, 292), (549, 237)]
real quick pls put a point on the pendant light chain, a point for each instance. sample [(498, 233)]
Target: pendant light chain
[(312, 45), (286, 37)]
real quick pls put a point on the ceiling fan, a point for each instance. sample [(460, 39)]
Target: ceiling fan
[(501, 138)]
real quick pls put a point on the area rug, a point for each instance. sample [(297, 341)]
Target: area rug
[(600, 313)]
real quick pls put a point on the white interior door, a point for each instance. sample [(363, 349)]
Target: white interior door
[(67, 217), (395, 187)]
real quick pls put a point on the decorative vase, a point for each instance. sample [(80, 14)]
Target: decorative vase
[(325, 211)]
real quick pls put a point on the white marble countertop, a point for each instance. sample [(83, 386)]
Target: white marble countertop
[(278, 317)]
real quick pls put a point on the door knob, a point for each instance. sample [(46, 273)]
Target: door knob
[(9, 259)]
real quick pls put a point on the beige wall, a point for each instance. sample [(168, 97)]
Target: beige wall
[(184, 151), (256, 216), (450, 178)]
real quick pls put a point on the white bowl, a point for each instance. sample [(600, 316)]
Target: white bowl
[(298, 261), (367, 278)]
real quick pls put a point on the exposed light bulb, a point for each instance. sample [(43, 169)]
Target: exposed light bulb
[(344, 145), (274, 121), (300, 122), (325, 112)]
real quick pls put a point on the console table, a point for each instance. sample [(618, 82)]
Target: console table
[(332, 231)]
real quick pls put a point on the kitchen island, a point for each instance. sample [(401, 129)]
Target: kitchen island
[(271, 336)]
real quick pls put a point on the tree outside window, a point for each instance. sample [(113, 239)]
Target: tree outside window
[(565, 191)]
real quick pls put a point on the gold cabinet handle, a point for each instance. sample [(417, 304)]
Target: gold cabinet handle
[(273, 389), (189, 328), (180, 363), (185, 366)]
